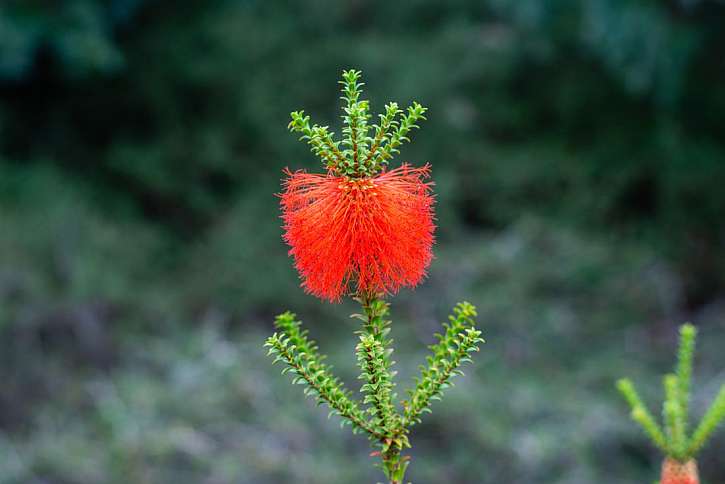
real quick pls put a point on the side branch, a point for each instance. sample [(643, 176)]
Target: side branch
[(291, 346), (461, 338), (319, 138), (641, 415), (712, 419), (408, 121), (387, 121)]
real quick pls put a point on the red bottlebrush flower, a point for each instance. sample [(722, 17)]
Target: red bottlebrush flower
[(675, 472), (374, 232)]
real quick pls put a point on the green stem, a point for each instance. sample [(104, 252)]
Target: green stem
[(395, 465), (393, 438)]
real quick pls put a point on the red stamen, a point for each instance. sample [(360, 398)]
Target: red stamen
[(374, 232)]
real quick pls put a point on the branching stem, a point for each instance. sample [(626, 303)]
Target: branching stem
[(385, 426)]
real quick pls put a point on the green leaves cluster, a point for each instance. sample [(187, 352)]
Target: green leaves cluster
[(673, 438), (386, 423), (359, 154)]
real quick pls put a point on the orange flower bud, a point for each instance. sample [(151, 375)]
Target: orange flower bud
[(676, 472)]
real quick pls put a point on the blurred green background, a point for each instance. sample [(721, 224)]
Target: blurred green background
[(578, 150)]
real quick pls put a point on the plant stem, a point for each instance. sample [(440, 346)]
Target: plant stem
[(394, 464), (393, 439)]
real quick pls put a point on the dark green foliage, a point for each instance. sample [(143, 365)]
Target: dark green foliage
[(577, 150), (600, 114)]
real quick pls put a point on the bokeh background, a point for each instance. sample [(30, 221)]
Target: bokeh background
[(578, 150)]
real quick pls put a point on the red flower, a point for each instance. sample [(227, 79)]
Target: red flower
[(373, 232), (674, 472)]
